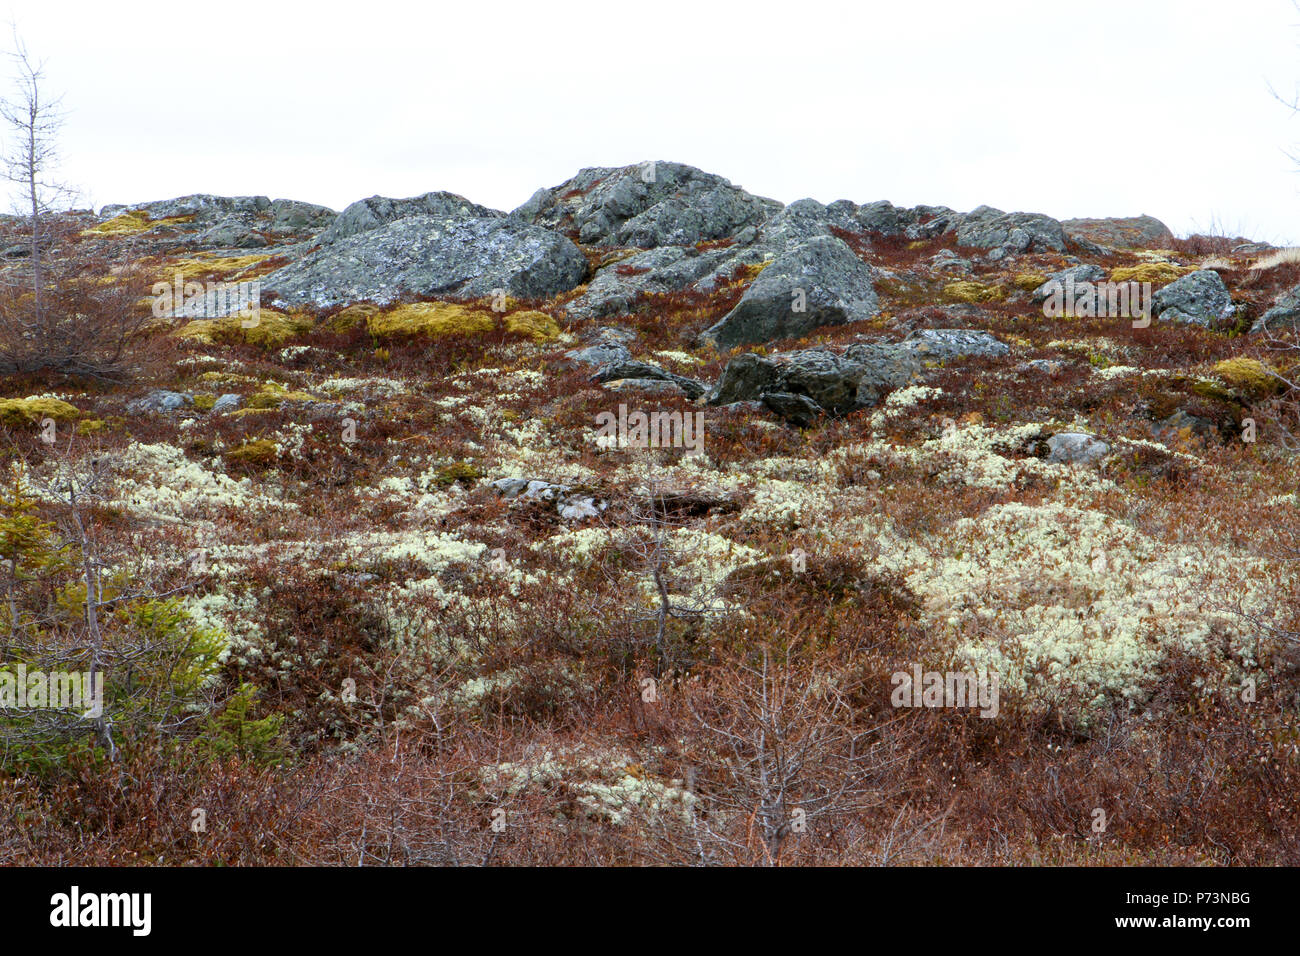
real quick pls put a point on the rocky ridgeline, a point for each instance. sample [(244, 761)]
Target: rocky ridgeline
[(596, 245)]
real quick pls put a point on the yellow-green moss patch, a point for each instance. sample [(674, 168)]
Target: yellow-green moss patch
[(970, 291), (1147, 272), (431, 319), (1028, 281), (31, 411), (347, 319), (258, 452), (271, 395), (461, 471), (208, 265), (130, 224), (537, 326), (273, 329), (1249, 376)]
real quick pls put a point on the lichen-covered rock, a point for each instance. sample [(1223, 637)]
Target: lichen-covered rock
[(819, 282), (972, 292), (1249, 376), (206, 221), (1198, 298), (1057, 280), (34, 410), (232, 233), (1013, 232), (624, 369), (366, 214), (569, 505), (602, 353), (1157, 271), (1136, 232), (431, 256), (806, 218), (534, 325), (226, 403), (1284, 314), (1076, 448), (647, 205), (289, 216), (1085, 272), (160, 400), (271, 328), (653, 386), (616, 287), (944, 345), (204, 209), (835, 382)]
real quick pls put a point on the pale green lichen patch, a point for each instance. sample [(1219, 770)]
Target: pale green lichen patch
[(610, 787), (1075, 608)]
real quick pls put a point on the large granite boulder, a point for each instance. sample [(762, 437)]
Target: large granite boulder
[(647, 205), (431, 256), (1198, 298), (223, 222), (1136, 232), (833, 382), (367, 214), (818, 282), (1010, 232)]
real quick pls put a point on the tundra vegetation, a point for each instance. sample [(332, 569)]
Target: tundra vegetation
[(366, 588)]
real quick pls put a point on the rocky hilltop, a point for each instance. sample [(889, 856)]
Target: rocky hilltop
[(497, 468)]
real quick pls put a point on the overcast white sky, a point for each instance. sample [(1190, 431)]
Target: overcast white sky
[(1104, 107)]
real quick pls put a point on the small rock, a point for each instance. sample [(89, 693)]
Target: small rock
[(227, 403), (602, 353), (510, 487), (1285, 312), (799, 410), (578, 508), (1076, 448), (159, 401), (1057, 280), (1182, 423), (945, 260), (947, 344), (654, 386), (544, 490), (1047, 366), (644, 370)]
